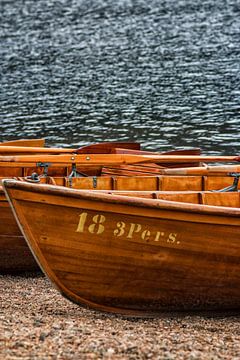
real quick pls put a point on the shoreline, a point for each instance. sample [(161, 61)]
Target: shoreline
[(36, 322)]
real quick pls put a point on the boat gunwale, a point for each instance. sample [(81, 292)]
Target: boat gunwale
[(97, 195)]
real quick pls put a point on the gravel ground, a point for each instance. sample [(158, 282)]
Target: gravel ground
[(36, 322)]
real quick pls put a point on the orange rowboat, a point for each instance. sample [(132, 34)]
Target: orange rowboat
[(14, 252), (12, 152), (88, 160), (131, 255)]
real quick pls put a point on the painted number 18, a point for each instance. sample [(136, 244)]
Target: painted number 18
[(96, 227)]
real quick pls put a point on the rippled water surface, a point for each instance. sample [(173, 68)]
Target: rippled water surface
[(164, 73)]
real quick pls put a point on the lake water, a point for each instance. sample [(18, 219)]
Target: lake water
[(163, 73)]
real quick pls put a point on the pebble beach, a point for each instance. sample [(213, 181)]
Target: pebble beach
[(36, 322)]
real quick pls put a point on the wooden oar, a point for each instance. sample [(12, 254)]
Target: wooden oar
[(68, 159), (201, 170), (108, 159), (101, 148), (33, 150), (24, 142)]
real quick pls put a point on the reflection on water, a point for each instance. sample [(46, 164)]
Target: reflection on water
[(164, 73)]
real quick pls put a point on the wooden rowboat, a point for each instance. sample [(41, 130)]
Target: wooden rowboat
[(15, 255), (12, 166), (132, 255), (23, 160)]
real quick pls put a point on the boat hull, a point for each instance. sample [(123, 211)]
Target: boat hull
[(10, 249), (131, 256), (14, 252), (15, 255)]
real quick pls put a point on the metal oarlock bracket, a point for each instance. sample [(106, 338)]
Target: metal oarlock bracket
[(235, 181), (75, 174), (94, 182), (45, 167), (74, 171), (34, 178), (72, 174), (234, 186)]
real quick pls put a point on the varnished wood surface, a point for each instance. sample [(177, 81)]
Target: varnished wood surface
[(157, 183), (30, 147), (89, 164), (22, 161), (107, 147), (148, 187), (130, 255), (14, 253), (25, 142), (109, 159), (193, 151), (28, 150), (24, 147)]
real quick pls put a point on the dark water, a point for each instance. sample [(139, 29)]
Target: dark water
[(164, 73)]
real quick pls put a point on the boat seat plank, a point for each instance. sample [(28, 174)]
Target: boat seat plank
[(230, 199), (227, 199), (193, 198), (217, 182), (179, 183), (88, 183), (134, 183)]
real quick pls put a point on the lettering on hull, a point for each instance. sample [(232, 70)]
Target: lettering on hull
[(98, 224)]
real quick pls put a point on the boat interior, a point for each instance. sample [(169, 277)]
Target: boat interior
[(144, 183), (70, 176), (209, 190), (141, 180), (226, 199)]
